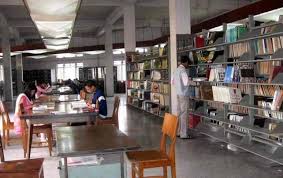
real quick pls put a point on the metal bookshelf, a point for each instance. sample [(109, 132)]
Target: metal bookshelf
[(261, 141), (141, 58)]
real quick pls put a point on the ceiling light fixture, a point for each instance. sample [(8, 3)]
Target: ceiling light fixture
[(54, 20)]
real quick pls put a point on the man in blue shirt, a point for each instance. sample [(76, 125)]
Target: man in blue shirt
[(98, 100)]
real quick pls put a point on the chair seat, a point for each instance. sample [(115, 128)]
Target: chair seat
[(21, 166), (10, 125), (105, 120), (146, 156)]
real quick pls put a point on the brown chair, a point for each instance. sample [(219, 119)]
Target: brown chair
[(37, 129), (7, 125), (111, 120), (157, 158), (32, 168)]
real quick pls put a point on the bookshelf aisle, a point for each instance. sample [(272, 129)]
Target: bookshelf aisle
[(148, 84), (239, 91)]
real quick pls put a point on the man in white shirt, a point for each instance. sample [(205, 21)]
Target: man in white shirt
[(181, 82)]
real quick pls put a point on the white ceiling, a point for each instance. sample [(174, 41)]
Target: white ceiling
[(92, 15)]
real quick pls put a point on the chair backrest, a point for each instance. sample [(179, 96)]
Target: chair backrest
[(115, 113), (169, 129), (2, 158), (5, 114)]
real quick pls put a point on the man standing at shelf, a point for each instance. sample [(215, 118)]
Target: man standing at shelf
[(181, 81)]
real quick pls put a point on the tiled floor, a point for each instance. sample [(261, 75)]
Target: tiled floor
[(197, 158)]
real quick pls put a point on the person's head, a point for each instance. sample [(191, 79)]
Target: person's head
[(41, 83), (90, 86), (185, 61), (30, 90)]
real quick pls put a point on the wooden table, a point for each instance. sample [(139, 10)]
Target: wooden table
[(88, 140), (62, 113)]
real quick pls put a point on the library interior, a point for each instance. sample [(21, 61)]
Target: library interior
[(141, 88)]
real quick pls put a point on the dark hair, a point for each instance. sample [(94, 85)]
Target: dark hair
[(90, 83), (185, 59), (28, 88)]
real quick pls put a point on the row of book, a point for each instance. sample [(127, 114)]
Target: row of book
[(147, 96), (268, 45), (226, 94), (149, 75), (156, 87), (233, 34), (208, 38), (150, 64), (238, 49), (236, 73), (265, 90)]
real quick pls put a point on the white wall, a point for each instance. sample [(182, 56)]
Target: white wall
[(51, 62)]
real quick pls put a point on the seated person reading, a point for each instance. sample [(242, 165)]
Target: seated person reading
[(98, 100)]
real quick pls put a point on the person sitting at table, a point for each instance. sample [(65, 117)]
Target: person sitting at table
[(98, 99), (26, 99), (42, 88), (86, 96)]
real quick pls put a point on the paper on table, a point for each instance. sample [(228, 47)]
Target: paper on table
[(84, 160), (39, 108), (79, 104), (57, 112)]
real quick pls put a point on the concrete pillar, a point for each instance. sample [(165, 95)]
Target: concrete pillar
[(129, 28), (19, 69), (180, 23), (6, 49), (109, 58)]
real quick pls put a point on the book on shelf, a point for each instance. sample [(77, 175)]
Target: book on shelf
[(199, 41), (238, 49), (278, 79), (277, 100), (156, 75), (226, 94), (233, 34), (147, 85), (147, 65), (274, 72), (206, 92), (229, 74), (217, 73)]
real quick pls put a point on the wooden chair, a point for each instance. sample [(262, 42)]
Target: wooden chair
[(32, 168), (157, 158), (37, 129), (7, 125), (111, 120)]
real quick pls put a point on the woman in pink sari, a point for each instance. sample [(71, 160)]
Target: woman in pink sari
[(25, 99)]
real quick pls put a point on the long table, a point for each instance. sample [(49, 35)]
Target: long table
[(58, 98), (62, 112), (89, 140)]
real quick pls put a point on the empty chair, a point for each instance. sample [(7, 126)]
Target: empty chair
[(7, 125), (141, 160), (111, 120), (32, 168)]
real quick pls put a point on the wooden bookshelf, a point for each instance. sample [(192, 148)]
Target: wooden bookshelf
[(148, 81), (254, 122)]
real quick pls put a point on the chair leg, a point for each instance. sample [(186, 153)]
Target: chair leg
[(140, 172), (24, 141), (4, 138), (133, 171), (8, 137), (165, 171), (49, 137), (173, 171)]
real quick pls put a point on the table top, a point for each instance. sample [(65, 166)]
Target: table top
[(55, 110), (86, 140), (60, 90), (58, 98)]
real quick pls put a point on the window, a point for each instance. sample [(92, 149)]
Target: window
[(68, 71), (1, 73), (121, 70)]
